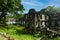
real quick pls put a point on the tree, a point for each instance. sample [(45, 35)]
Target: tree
[(11, 6), (49, 9), (58, 10)]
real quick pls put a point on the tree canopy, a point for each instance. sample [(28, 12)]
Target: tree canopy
[(50, 10), (11, 6)]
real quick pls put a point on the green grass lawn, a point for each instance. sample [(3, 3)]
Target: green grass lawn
[(17, 32)]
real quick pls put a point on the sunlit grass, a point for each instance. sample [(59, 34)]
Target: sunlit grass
[(17, 32)]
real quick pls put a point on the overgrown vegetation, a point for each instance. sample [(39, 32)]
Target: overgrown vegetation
[(17, 32)]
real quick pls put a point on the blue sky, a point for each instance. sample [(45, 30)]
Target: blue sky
[(39, 4)]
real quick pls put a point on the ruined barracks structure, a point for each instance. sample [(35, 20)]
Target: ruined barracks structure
[(36, 21)]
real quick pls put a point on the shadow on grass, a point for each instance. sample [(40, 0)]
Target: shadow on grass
[(22, 32)]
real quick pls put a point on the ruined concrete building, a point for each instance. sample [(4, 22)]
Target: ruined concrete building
[(54, 21), (34, 20), (37, 21)]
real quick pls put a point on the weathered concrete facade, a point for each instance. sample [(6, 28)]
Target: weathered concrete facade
[(54, 21), (35, 21), (44, 23), (10, 21)]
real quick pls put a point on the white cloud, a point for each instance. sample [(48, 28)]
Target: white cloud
[(32, 3), (29, 3)]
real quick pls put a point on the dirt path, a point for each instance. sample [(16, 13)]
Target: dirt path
[(3, 36)]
